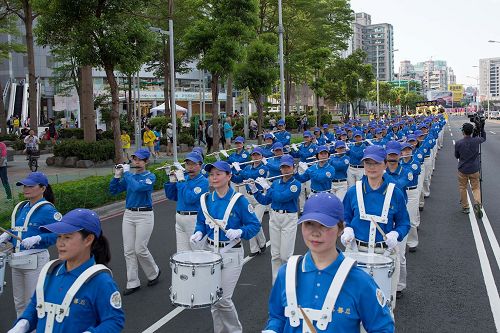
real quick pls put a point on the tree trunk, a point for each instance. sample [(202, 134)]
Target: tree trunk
[(260, 116), (214, 84), (115, 112), (87, 105), (166, 79), (229, 96), (28, 24), (130, 109), (3, 115), (318, 118)]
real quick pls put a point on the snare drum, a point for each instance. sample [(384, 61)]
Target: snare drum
[(196, 279), (23, 260), (3, 263), (378, 266)]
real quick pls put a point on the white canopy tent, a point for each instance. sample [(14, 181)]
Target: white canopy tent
[(161, 108)]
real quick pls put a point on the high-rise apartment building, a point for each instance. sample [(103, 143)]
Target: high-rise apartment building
[(489, 78), (434, 74)]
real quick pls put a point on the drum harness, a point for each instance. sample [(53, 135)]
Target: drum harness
[(323, 317), (58, 312), (369, 217), (217, 224)]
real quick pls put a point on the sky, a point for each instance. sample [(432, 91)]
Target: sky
[(456, 31)]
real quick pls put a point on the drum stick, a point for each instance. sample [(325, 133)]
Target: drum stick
[(379, 229), (308, 321), (11, 234)]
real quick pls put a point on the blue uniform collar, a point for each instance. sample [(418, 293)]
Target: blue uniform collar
[(396, 172), (308, 265), (368, 189), (199, 175), (29, 203), (227, 197), (77, 271)]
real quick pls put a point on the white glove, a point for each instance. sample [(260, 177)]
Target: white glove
[(236, 166), (223, 152), (294, 147), (303, 167), (179, 174), (262, 182), (172, 178), (118, 171), (268, 331), (263, 160), (217, 156), (347, 236), (4, 237), (178, 166), (126, 168), (253, 187), (29, 242), (196, 237), (233, 234), (22, 326), (392, 239), (254, 145)]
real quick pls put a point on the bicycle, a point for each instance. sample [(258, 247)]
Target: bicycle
[(32, 157)]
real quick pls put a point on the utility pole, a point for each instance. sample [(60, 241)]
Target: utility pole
[(282, 67), (378, 90)]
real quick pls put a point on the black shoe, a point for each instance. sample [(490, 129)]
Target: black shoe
[(155, 280), (399, 294), (412, 249), (477, 210), (421, 208), (465, 210), (253, 254), (426, 196), (263, 249), (130, 291)]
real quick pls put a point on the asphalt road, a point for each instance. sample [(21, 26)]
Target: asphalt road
[(446, 290)]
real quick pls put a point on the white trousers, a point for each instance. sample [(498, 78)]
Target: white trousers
[(412, 207), (339, 189), (402, 264), (184, 229), (24, 282), (353, 175), (224, 313), (258, 240), (440, 139), (426, 190), (136, 229), (305, 191), (282, 232), (420, 187)]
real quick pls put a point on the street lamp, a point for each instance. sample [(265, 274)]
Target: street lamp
[(378, 89), (173, 108), (493, 41)]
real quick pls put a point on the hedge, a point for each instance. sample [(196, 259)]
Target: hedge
[(9, 137), (95, 151), (70, 133)]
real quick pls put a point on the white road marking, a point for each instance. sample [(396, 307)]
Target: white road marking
[(492, 132), (453, 142), (172, 314), (489, 281), (451, 134), (491, 237)]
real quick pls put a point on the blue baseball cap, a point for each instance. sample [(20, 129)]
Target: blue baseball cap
[(307, 134), (220, 165), (376, 153), (286, 160), (378, 131), (198, 150), (405, 145), (393, 147), (316, 129), (257, 150), (33, 179), (423, 125), (326, 125), (268, 136), (76, 220), (412, 137), (322, 148), (142, 154), (194, 157), (239, 139), (324, 208), (281, 122), (339, 144), (418, 133), (357, 133), (343, 132), (277, 146)]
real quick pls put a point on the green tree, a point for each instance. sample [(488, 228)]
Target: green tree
[(258, 72), (103, 34), (217, 38), (8, 27), (410, 100)]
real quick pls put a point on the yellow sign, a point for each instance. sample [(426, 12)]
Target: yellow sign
[(457, 90)]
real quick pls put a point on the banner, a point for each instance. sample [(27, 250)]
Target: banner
[(457, 91)]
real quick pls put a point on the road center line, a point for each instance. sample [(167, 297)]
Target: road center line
[(172, 314), (492, 132), (491, 237), (453, 142), (489, 281)]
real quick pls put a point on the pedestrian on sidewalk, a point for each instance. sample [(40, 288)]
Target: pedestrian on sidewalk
[(3, 170), (469, 165), (138, 219), (170, 140), (201, 131)]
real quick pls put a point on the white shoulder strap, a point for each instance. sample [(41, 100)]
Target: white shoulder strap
[(385, 208), (88, 274), (387, 200), (229, 208), (292, 308), (333, 292), (24, 228), (40, 295), (14, 213)]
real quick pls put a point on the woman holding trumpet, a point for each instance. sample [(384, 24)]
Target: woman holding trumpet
[(320, 174), (340, 161), (283, 195)]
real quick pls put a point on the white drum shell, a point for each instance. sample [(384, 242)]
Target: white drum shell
[(378, 266), (23, 260), (196, 279), (3, 263)]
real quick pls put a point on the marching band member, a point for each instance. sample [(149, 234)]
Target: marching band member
[(253, 171), (283, 196), (187, 193), (138, 219), (323, 288), (282, 135), (355, 153), (75, 293), (38, 210), (305, 150), (274, 164), (319, 138), (340, 162), (374, 198), (330, 137), (232, 211), (240, 155), (320, 174), (425, 149), (267, 150)]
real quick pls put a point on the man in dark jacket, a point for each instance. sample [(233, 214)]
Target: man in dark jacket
[(469, 163)]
